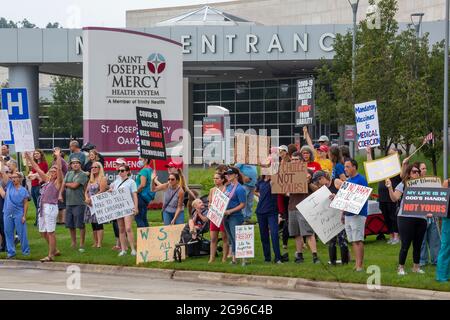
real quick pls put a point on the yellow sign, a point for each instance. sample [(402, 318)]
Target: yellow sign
[(158, 243), (381, 169)]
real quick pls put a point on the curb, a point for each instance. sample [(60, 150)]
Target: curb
[(331, 289)]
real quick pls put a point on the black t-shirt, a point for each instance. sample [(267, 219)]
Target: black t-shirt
[(383, 192), (332, 187)]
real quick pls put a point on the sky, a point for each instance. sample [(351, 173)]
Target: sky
[(81, 13)]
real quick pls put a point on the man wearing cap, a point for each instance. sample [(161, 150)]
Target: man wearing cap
[(76, 152), (73, 185), (250, 177)]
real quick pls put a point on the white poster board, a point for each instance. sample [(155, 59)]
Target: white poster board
[(351, 197), (325, 221), (425, 182), (381, 169), (5, 134), (109, 206), (245, 241), (367, 126), (217, 207), (23, 135)]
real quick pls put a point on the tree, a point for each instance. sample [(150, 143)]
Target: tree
[(65, 113), (7, 24), (54, 25)]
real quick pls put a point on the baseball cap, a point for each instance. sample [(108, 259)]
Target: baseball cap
[(319, 174), (283, 147), (177, 165), (232, 170), (324, 148), (75, 160), (323, 139), (120, 161)]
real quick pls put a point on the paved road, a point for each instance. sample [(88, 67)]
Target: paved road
[(23, 283)]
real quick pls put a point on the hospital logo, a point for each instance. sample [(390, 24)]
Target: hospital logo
[(156, 63)]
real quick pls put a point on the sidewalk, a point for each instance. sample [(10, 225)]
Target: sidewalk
[(332, 289)]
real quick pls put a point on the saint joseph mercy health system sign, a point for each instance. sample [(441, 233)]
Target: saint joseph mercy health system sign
[(122, 70)]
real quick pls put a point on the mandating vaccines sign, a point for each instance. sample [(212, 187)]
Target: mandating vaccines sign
[(367, 126)]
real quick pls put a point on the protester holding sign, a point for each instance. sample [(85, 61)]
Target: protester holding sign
[(145, 195), (411, 227), (233, 215), (219, 184), (321, 154), (39, 158), (98, 183), (48, 202), (125, 224), (355, 223), (443, 261), (267, 215), (173, 207)]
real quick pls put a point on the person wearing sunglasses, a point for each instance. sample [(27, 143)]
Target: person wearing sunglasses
[(48, 202), (15, 212), (125, 223), (173, 205), (97, 184), (411, 227)]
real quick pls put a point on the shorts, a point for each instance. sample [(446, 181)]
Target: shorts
[(213, 227), (298, 226), (75, 217), (355, 227), (47, 222), (96, 226)]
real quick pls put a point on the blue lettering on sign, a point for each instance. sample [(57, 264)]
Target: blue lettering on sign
[(15, 100)]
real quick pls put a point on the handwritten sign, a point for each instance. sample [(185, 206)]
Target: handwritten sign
[(426, 182), (109, 206), (218, 207), (245, 241), (325, 221), (5, 134), (291, 178), (351, 197), (251, 148), (423, 201), (381, 169), (23, 135), (367, 126), (158, 243)]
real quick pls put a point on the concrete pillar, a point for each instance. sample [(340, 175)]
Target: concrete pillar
[(27, 76)]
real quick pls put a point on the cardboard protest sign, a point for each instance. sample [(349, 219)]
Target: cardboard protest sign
[(23, 135), (158, 243), (366, 117), (245, 241), (381, 169), (217, 207), (351, 197), (304, 108), (431, 182), (251, 148), (325, 221), (151, 133), (291, 178), (109, 206), (422, 201), (5, 133)]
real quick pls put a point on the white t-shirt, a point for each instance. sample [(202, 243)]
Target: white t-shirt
[(129, 185)]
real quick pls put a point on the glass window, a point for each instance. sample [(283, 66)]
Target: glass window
[(270, 118), (286, 82), (230, 106), (46, 144), (199, 108), (256, 118), (243, 106), (210, 86), (271, 106), (271, 83), (257, 106), (285, 130), (198, 117), (199, 96), (213, 95), (256, 94), (285, 91), (285, 117), (256, 84), (242, 118), (228, 85), (199, 86), (227, 95), (242, 92), (286, 105), (270, 93)]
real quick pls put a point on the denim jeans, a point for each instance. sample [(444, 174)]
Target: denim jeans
[(2, 231), (168, 217), (230, 222), (14, 221), (443, 262), (249, 194), (35, 194), (268, 222), (141, 217), (431, 242)]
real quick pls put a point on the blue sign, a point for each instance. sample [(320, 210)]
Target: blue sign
[(15, 100)]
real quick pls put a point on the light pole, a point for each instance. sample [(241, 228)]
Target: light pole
[(416, 19), (445, 136)]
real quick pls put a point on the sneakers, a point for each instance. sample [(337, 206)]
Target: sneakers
[(395, 241), (419, 271), (299, 258), (401, 272), (316, 260), (133, 253), (122, 253), (278, 262), (81, 250)]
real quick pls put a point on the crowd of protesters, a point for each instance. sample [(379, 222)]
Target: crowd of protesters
[(62, 191)]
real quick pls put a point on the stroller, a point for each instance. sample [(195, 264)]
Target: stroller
[(200, 246)]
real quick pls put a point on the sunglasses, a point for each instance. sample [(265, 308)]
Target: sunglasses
[(121, 170), (95, 167), (415, 171), (171, 179)]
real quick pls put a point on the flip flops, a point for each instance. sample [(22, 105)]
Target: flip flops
[(46, 259)]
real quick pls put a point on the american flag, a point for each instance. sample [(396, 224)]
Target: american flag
[(428, 137)]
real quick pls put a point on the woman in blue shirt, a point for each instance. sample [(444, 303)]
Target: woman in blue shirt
[(233, 215), (15, 213), (267, 215)]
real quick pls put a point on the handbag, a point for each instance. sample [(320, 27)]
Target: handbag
[(164, 207)]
